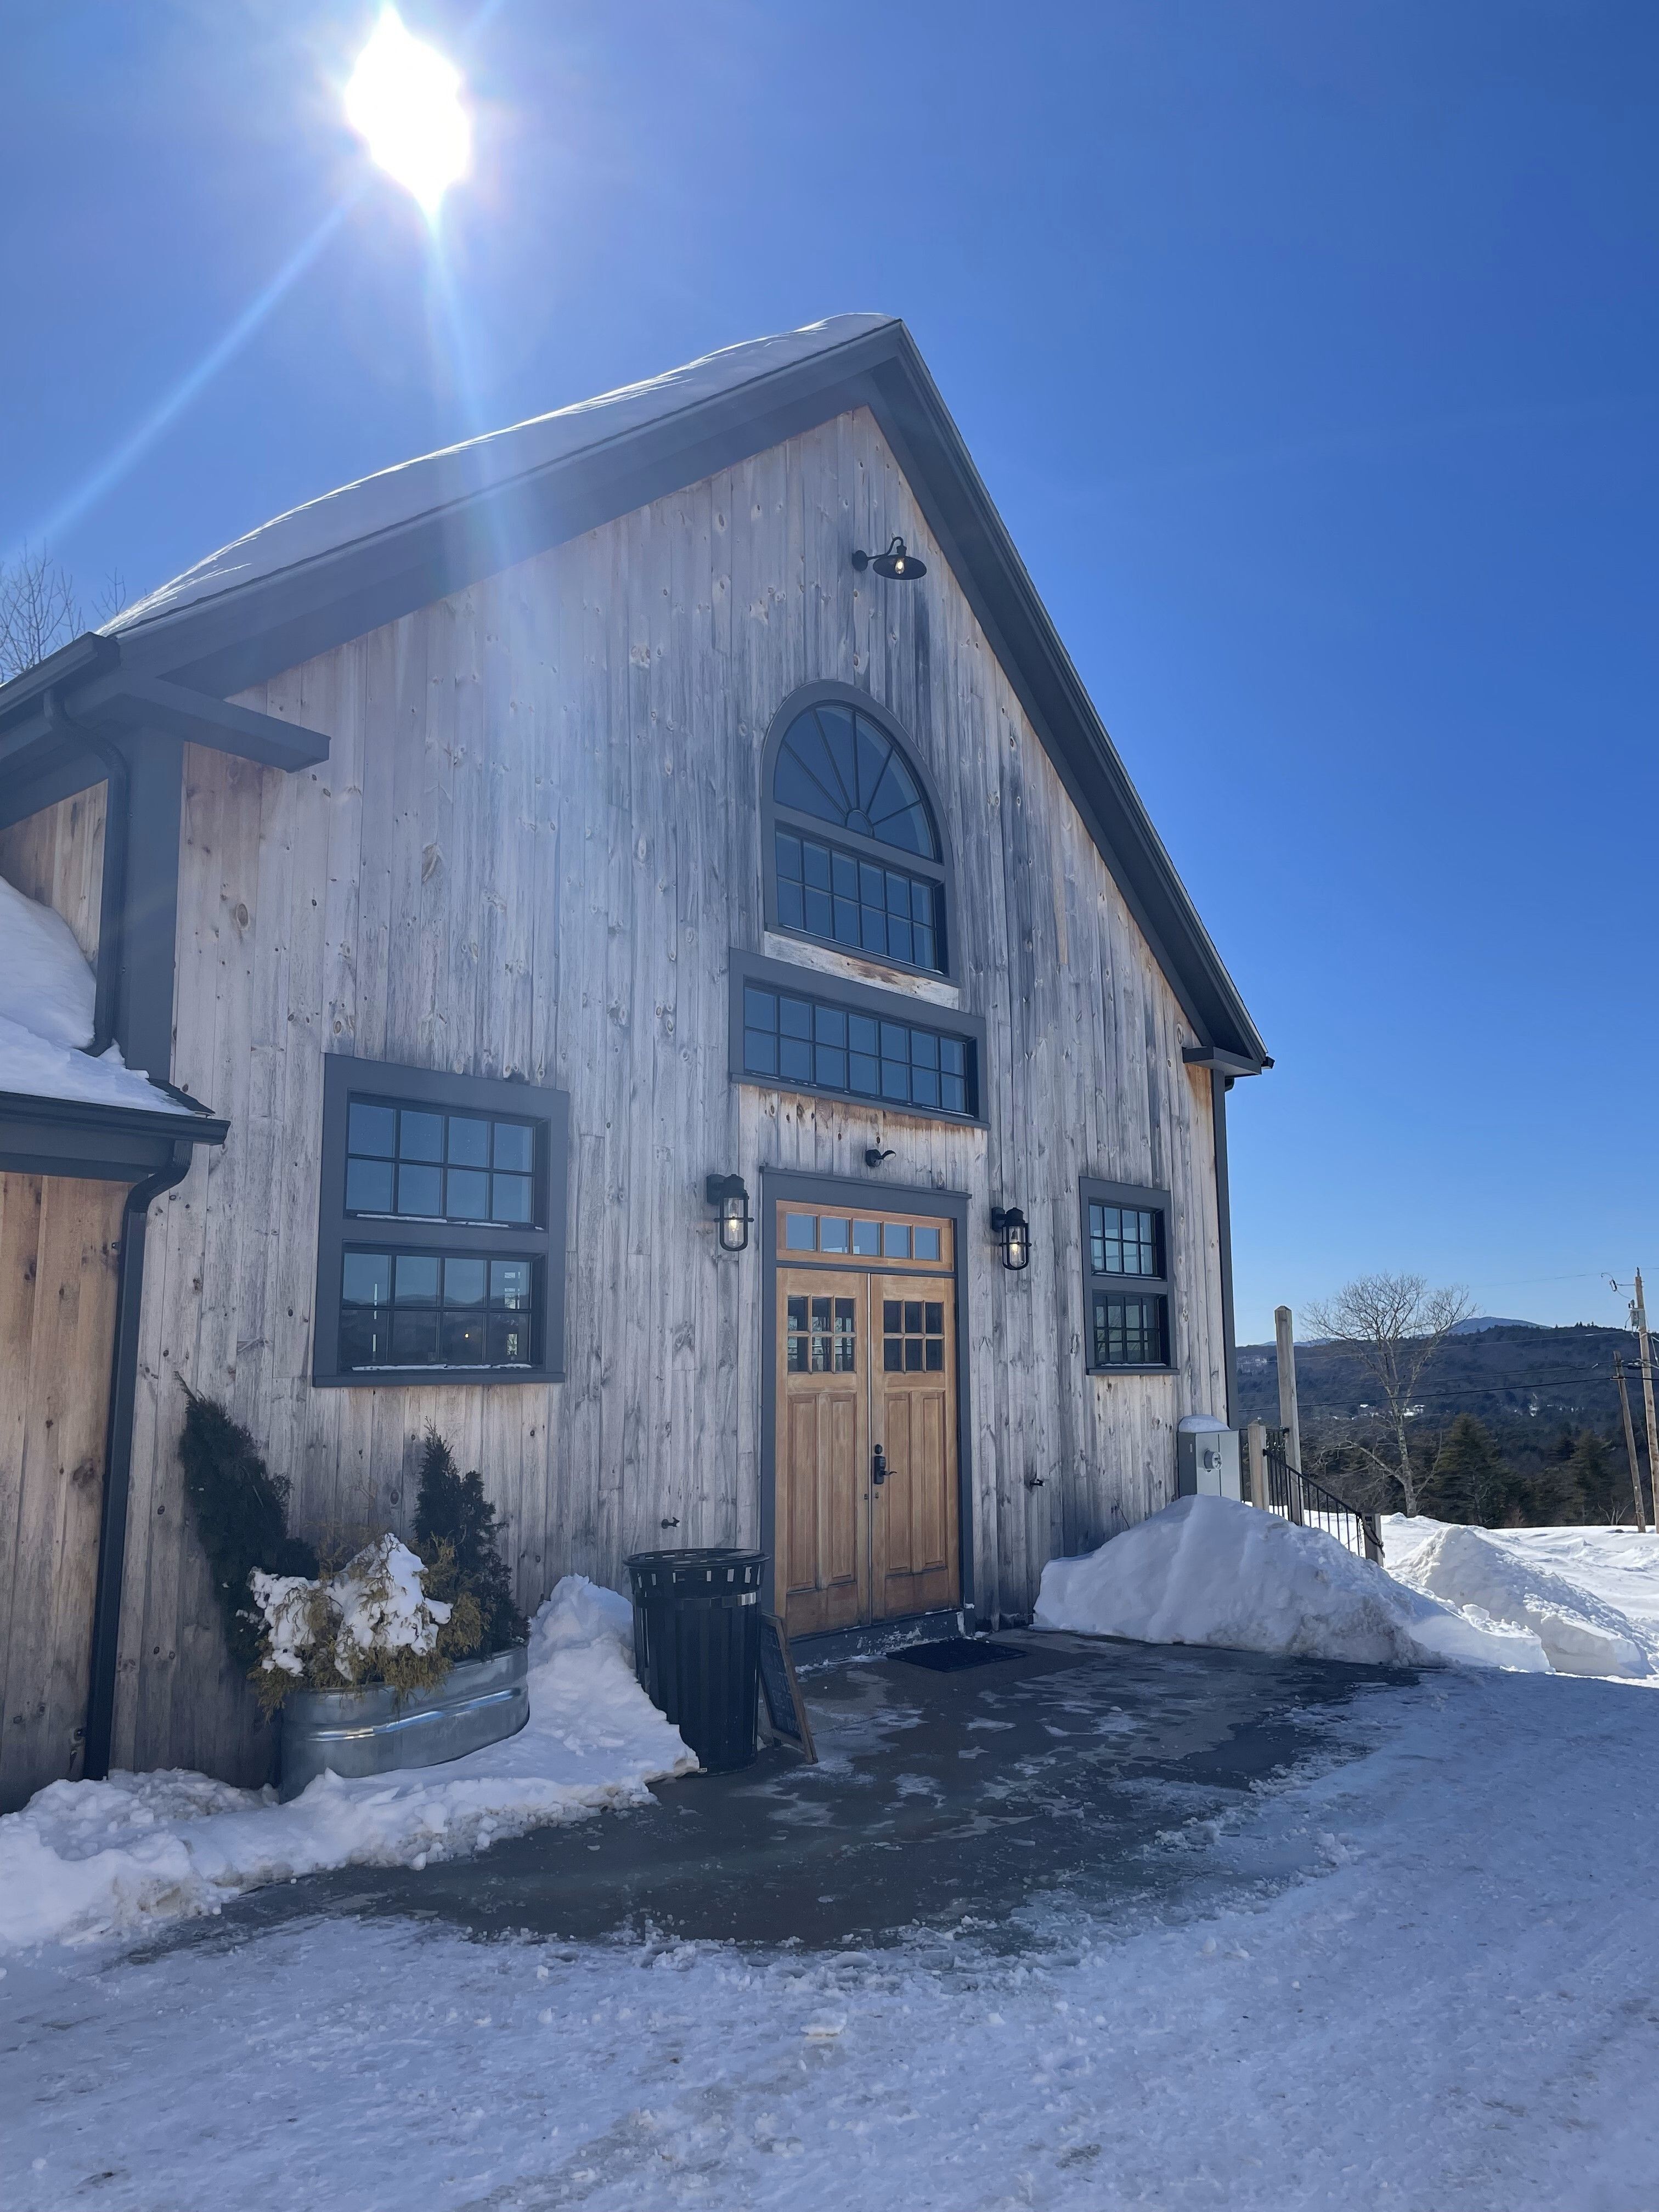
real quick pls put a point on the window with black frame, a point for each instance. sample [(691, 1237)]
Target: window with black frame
[(440, 1250), (1126, 1277), (856, 858)]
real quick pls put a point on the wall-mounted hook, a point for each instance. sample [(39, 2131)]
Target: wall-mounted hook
[(874, 1156), (673, 1522), (1036, 1481)]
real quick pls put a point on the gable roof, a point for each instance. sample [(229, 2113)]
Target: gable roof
[(378, 549)]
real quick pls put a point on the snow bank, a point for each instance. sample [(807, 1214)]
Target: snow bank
[(46, 1000), (97, 1858), (1504, 1573), (1210, 1570)]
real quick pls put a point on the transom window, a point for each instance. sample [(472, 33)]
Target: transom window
[(844, 802), (831, 1047), (1126, 1285), (438, 1167)]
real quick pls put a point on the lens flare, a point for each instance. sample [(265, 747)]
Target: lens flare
[(405, 101)]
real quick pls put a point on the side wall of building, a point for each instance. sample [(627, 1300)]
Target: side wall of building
[(59, 1243), (534, 846)]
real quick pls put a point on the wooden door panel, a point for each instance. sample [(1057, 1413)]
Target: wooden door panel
[(915, 1540), (823, 1445)]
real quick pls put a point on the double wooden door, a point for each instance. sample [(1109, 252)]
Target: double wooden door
[(867, 1503)]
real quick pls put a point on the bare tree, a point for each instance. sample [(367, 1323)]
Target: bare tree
[(1396, 1324), (40, 608)]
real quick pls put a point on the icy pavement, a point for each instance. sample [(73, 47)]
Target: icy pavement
[(1451, 2004)]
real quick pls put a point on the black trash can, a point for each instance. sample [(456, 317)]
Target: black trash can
[(696, 1646)]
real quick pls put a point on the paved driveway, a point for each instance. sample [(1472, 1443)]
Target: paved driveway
[(1076, 1771)]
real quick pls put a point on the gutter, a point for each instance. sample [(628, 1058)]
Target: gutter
[(118, 1461)]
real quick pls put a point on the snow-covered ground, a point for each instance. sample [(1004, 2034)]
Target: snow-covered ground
[(1561, 1582), (1453, 2009), (1211, 1570), (91, 1858)]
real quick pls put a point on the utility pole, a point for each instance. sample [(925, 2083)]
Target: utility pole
[(1630, 1443), (1287, 1413), (1640, 1318)]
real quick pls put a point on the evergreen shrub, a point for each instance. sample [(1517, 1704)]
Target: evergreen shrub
[(241, 1512), (452, 1513)]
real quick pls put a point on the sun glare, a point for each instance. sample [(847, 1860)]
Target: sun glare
[(405, 101)]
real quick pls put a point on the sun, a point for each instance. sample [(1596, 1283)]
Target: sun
[(405, 101)]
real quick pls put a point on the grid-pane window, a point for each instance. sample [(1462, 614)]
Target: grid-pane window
[(432, 1309), (431, 1166), (1123, 1240), (869, 908), (1130, 1332), (831, 1047), (820, 1336), (912, 1336), (1126, 1282)]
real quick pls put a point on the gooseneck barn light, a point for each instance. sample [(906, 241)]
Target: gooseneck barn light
[(1011, 1227), (897, 562), (728, 1195)]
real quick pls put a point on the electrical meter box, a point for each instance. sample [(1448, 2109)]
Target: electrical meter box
[(1206, 1458)]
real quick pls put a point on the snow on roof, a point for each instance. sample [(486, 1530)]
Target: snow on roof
[(46, 1004), (399, 495)]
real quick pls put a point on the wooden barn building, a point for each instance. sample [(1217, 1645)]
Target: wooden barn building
[(669, 825)]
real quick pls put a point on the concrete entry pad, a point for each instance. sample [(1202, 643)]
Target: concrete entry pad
[(1072, 1776)]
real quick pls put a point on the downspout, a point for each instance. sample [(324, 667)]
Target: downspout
[(113, 897), (1220, 1085), (118, 1461)]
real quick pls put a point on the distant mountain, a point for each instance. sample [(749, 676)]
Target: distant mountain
[(1476, 1323), (1502, 1370)]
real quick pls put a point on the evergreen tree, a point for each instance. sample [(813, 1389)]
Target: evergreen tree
[(1470, 1481), (241, 1512), (1597, 1491), (453, 1512)]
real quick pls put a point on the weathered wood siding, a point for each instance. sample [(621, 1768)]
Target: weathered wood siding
[(58, 1243), (535, 844)]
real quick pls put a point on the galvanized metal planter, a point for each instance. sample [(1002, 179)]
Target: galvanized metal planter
[(374, 1731)]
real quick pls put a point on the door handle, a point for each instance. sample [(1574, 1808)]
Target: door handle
[(878, 1465)]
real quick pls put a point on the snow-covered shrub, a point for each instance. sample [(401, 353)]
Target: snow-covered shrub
[(453, 1513), (374, 1622), (240, 1513)]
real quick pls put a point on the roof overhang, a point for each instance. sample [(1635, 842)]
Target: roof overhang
[(78, 1138), (177, 662)]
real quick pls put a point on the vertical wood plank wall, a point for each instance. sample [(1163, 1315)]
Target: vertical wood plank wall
[(533, 847), (58, 1241)]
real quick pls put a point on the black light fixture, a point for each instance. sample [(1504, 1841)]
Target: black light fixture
[(729, 1196), (1010, 1225), (897, 562)]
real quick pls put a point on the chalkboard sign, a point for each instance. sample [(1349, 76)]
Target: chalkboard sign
[(785, 1715)]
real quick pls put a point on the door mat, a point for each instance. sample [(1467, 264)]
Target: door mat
[(951, 1652)]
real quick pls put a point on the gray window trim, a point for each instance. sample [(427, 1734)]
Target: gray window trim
[(858, 997), (777, 1183), (772, 816), (1093, 1190), (544, 1240)]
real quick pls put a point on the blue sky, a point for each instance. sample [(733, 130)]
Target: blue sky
[(1310, 350)]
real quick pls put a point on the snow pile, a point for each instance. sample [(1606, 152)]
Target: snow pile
[(376, 1604), (1504, 1572), (94, 1858), (1210, 1570), (46, 1003)]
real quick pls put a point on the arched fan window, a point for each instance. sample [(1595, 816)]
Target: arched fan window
[(857, 856)]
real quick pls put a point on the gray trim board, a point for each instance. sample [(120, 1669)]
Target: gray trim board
[(860, 999), (543, 1241), (779, 1183)]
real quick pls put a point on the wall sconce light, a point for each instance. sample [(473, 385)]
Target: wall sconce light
[(729, 1196), (897, 562), (1010, 1225)]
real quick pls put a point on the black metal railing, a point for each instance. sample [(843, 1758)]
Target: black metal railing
[(1300, 1499)]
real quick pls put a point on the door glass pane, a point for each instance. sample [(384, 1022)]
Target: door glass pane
[(833, 1235), (927, 1243), (801, 1232), (867, 1238), (797, 1336), (895, 1241), (846, 1335)]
